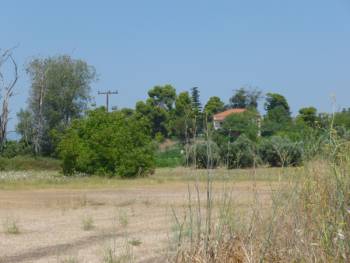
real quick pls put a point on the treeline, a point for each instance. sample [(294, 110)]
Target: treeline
[(60, 120)]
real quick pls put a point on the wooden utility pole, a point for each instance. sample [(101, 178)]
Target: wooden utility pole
[(107, 93)]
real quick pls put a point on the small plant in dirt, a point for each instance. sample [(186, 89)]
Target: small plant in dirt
[(69, 260), (11, 227), (87, 223), (135, 242), (123, 219), (111, 256)]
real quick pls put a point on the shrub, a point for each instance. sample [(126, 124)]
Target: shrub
[(107, 144), (241, 153), (204, 154), (14, 148), (280, 151)]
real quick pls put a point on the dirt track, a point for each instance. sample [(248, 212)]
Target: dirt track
[(50, 221)]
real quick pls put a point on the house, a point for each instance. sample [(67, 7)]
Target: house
[(219, 118)]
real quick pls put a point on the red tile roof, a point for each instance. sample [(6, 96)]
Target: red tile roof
[(222, 115)]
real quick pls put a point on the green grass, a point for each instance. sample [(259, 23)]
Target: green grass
[(169, 158), (28, 163), (11, 227)]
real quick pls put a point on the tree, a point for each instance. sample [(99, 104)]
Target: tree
[(213, 106), (308, 116), (60, 88), (182, 121), (241, 123), (342, 119), (25, 126), (7, 90), (163, 96), (196, 104), (274, 100), (278, 116), (112, 144), (157, 117), (197, 109), (245, 98), (157, 109)]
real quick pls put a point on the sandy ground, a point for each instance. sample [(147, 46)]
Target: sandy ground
[(128, 220)]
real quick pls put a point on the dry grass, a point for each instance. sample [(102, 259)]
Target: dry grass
[(26, 180), (307, 220)]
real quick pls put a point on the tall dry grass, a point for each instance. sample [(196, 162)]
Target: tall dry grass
[(306, 220)]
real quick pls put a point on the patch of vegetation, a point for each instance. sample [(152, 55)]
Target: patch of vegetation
[(87, 223), (11, 227), (69, 260), (135, 242), (171, 157), (29, 163), (108, 144)]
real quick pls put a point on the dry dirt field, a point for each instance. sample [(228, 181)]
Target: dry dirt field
[(131, 217)]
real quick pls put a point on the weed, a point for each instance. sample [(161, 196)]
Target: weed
[(135, 242), (11, 227), (87, 223), (69, 260), (123, 218)]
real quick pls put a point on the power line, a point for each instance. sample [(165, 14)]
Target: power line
[(107, 93)]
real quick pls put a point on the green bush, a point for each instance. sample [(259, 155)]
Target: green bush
[(15, 148), (204, 154), (281, 151), (241, 153), (107, 144)]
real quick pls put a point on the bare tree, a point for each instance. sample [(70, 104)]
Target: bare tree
[(6, 90)]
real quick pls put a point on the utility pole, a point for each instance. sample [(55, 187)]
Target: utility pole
[(107, 93)]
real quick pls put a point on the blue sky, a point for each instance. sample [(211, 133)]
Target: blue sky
[(299, 48)]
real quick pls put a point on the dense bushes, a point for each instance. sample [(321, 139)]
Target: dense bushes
[(275, 151), (107, 144), (241, 153), (204, 154), (280, 151), (14, 148)]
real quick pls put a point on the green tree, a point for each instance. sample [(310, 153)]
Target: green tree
[(242, 123), (275, 100), (342, 119), (245, 98), (308, 116), (157, 117), (59, 93), (25, 126), (278, 115), (196, 104), (112, 144), (197, 109), (158, 109), (213, 106), (163, 96), (183, 119)]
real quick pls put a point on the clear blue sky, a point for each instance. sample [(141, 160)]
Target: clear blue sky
[(300, 48)]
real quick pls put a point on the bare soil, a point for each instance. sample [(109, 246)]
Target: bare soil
[(132, 220)]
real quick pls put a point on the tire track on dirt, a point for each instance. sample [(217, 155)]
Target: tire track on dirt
[(39, 253)]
